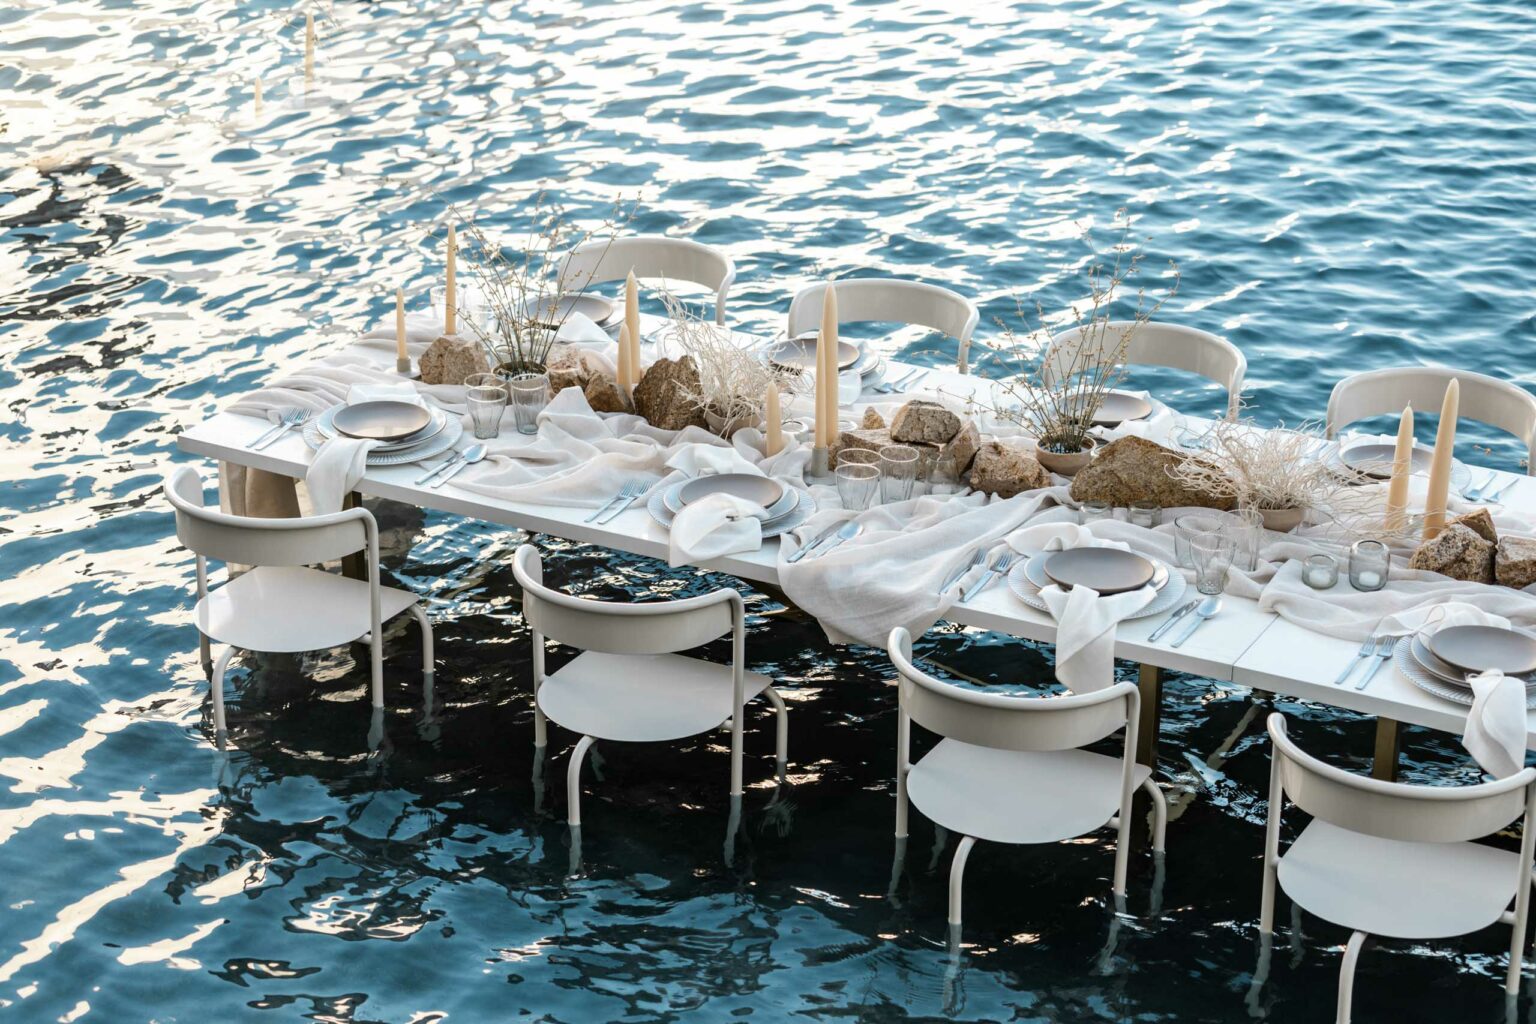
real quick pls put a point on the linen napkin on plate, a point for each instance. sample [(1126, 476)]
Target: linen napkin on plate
[(720, 524), (1085, 620), (1495, 731), (341, 461)]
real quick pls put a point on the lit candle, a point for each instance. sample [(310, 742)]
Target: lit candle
[(451, 293), (402, 361), (774, 441), (309, 45), (1402, 469), (626, 367), (632, 321), (1440, 467)]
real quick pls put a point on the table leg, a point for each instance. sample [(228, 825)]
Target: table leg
[(1150, 681), (355, 565), (1389, 739)]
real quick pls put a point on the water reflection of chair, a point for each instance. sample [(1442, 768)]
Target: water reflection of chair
[(629, 684), (891, 300), (281, 605), (1396, 860), (1011, 769)]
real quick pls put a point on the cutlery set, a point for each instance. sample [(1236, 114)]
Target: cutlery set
[(1001, 564), (1198, 613), (286, 421), (829, 539), (1481, 493), (1379, 648), (906, 382), (446, 470), (617, 504)]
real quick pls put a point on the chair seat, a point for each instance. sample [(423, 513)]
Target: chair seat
[(642, 698), (1394, 888), (1013, 796), (286, 609)]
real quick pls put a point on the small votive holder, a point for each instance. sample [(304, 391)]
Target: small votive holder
[(1148, 514), (1320, 572), (1095, 510), (1369, 563)]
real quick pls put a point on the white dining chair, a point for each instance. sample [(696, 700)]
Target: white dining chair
[(649, 256), (629, 684), (1396, 860), (1498, 403), (891, 300), (1011, 769), (281, 605), (1156, 344)]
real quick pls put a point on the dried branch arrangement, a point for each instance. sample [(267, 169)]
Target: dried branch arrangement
[(1268, 470), (733, 381), (1058, 380)]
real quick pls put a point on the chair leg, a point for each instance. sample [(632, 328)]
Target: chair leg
[(217, 683), (1347, 975), (736, 753), (573, 781), (781, 747), (1159, 814), (427, 663), (205, 653), (957, 878), (376, 667)]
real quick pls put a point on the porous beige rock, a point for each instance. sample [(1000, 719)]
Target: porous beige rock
[(874, 440), (1458, 552), (1514, 563), (1480, 523), (1135, 469), (603, 394), (924, 422), (872, 419), (449, 360), (1007, 469), (662, 394), (562, 377), (963, 446)]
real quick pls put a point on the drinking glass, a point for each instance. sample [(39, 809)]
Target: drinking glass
[(1320, 572), (898, 472), (858, 457), (471, 302), (850, 385), (944, 475), (1145, 513), (1247, 530), (1095, 510), (856, 485), (530, 394), (1369, 561), (486, 396), (1189, 526), (1212, 555)]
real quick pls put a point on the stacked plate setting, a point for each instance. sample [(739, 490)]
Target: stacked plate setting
[(1106, 570), (787, 506), (1368, 461), (406, 432), (799, 353), (1441, 663)]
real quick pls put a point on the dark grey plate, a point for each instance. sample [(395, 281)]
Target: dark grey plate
[(1107, 570), (599, 310), (760, 489), (1120, 406), (800, 353), (381, 421), (1375, 460), (1480, 648), (1449, 674)]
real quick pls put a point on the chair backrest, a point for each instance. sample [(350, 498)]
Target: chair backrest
[(1157, 344), (621, 628), (1003, 722), (1394, 810), (649, 256), (890, 300), (1485, 399), (249, 540)]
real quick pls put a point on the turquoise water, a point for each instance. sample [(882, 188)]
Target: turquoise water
[(1343, 186)]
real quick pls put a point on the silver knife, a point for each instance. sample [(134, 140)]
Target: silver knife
[(964, 567), (616, 511), (821, 538), (1168, 623), (445, 464)]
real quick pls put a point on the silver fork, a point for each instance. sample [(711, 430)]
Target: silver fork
[(1366, 650), (1383, 655), (1496, 495), (275, 426), (1476, 493), (912, 382), (1001, 564), (622, 493), (292, 418), (895, 385), (627, 497)]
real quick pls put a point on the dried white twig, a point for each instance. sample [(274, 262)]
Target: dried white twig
[(733, 381)]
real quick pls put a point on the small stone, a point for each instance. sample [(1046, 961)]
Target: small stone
[(872, 419), (562, 377), (564, 356), (1514, 565), (963, 446), (450, 360), (1480, 523), (1006, 470), (1135, 469), (1458, 552), (663, 395), (927, 422), (603, 394)]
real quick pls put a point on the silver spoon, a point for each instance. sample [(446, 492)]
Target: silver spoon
[(1207, 610), (849, 530), (473, 454)]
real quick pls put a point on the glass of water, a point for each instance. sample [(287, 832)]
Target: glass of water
[(857, 485), (530, 394), (898, 471), (486, 396), (1212, 555)]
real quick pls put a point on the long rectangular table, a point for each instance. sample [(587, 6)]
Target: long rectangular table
[(1243, 645)]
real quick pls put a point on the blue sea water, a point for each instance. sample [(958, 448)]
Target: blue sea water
[(1342, 186)]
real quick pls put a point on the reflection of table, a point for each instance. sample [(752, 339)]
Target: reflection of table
[(1244, 645)]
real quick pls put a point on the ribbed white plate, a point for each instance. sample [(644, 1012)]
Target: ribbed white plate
[(435, 445), (1408, 665), (1021, 582), (804, 508)]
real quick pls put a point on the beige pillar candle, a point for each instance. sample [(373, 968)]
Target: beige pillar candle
[(1440, 467), (624, 376), (451, 291), (309, 46), (829, 337), (773, 442), (1402, 470), (402, 361)]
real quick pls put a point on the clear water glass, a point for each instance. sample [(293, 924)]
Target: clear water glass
[(1320, 572), (1369, 563), (1148, 514), (1191, 525), (1093, 511), (471, 302), (898, 472), (486, 396), (858, 457), (857, 485), (1247, 531), (850, 385), (944, 475), (530, 394), (1212, 557)]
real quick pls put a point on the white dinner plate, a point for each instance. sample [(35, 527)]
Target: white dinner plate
[(805, 507), (1169, 595), (445, 439), (436, 425), (1411, 670)]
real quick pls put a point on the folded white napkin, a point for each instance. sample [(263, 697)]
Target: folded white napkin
[(341, 461), (720, 524), (1495, 731), (710, 459), (1085, 620)]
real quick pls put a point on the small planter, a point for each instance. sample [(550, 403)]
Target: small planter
[(1067, 464), (1282, 520), (728, 427)]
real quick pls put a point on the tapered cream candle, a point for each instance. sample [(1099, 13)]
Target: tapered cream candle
[(773, 442), (1402, 471), (632, 321), (402, 361), (829, 339), (257, 93), (309, 45), (451, 291), (625, 373), (821, 390), (1440, 467)]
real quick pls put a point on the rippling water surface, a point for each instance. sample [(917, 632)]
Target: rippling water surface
[(1342, 185)]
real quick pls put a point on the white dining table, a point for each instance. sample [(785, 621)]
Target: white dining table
[(1242, 645)]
